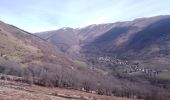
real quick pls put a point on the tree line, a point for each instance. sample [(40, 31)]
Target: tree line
[(51, 75)]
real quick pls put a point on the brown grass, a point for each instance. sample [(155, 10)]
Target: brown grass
[(17, 91)]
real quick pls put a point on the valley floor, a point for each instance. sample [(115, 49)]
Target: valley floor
[(20, 91)]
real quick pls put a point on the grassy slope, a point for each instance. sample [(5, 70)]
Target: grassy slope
[(24, 48), (15, 91)]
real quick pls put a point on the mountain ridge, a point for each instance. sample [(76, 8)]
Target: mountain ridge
[(93, 34)]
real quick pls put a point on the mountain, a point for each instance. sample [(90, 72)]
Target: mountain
[(127, 59), (65, 40), (27, 58), (144, 40), (135, 35), (69, 40), (24, 48)]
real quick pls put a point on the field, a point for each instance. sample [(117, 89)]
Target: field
[(15, 91), (164, 75)]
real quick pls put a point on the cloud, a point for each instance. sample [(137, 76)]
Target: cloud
[(37, 15)]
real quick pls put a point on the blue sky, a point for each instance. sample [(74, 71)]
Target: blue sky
[(42, 15)]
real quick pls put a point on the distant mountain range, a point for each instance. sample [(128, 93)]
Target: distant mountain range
[(144, 40)]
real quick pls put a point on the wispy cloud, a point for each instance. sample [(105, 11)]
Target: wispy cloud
[(38, 15)]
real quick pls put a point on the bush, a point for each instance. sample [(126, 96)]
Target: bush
[(11, 68)]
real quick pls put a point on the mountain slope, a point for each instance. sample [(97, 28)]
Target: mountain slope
[(24, 48), (144, 40), (69, 40), (36, 61), (134, 34), (135, 40), (112, 36)]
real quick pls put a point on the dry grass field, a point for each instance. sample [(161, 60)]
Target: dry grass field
[(21, 91)]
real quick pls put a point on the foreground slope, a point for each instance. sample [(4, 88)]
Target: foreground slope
[(24, 48), (15, 91)]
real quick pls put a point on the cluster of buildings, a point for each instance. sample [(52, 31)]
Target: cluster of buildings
[(131, 67)]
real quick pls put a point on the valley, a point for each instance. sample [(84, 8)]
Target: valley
[(123, 60), (136, 51)]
